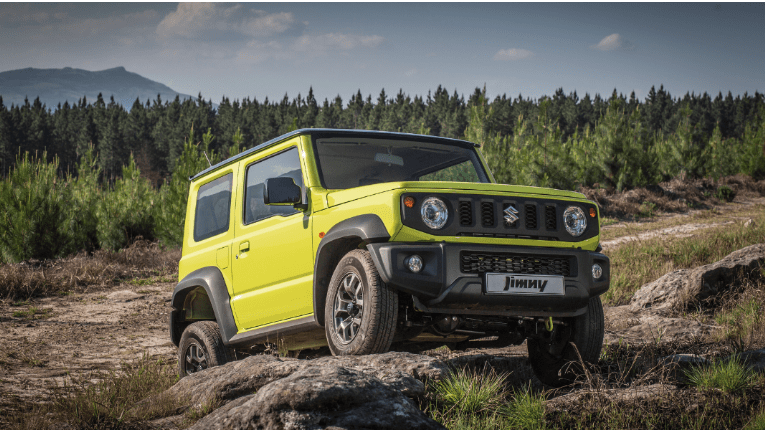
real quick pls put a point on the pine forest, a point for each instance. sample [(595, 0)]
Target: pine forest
[(97, 175)]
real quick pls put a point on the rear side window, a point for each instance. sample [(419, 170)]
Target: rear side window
[(211, 217)]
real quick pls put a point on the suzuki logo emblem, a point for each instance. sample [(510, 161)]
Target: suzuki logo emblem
[(511, 214)]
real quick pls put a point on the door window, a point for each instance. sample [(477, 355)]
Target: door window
[(211, 217), (283, 164)]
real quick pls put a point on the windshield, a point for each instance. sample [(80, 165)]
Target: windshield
[(349, 161)]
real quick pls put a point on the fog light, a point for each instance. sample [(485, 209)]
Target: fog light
[(414, 263), (597, 271)]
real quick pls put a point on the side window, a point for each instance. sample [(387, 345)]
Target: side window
[(285, 163), (211, 216)]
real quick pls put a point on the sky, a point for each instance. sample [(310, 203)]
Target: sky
[(260, 50)]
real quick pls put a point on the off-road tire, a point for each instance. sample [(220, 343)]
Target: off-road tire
[(202, 337), (586, 338), (379, 311)]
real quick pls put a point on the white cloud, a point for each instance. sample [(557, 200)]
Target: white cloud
[(256, 52), (133, 22), (411, 73), (335, 41), (209, 19), (512, 54), (613, 42)]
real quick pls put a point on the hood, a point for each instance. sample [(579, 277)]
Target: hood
[(343, 196)]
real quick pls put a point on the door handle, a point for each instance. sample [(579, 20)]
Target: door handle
[(244, 246)]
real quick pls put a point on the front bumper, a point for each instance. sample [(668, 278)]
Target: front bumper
[(443, 287)]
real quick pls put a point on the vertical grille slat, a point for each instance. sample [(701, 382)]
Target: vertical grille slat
[(551, 221), (531, 217), (466, 213), (487, 214)]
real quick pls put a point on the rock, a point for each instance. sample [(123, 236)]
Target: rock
[(124, 296), (402, 371), (675, 290), (641, 326), (399, 370), (317, 397), (684, 359), (579, 399), (677, 364), (755, 359)]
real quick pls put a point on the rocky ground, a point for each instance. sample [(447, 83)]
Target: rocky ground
[(42, 341)]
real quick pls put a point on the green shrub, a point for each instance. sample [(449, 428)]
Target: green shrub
[(34, 211), (85, 195), (724, 193), (752, 154), (647, 209), (126, 212), (730, 375), (170, 212)]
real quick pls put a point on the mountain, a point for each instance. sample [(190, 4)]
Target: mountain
[(55, 86)]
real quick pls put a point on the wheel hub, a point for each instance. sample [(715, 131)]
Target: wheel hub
[(196, 359), (348, 307)]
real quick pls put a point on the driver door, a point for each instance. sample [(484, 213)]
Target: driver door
[(273, 259)]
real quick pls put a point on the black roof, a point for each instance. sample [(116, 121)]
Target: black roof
[(336, 132)]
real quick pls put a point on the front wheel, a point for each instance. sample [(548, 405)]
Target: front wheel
[(361, 310), (555, 360), (201, 347)]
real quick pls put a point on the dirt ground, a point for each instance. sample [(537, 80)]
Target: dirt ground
[(43, 340), (79, 334)]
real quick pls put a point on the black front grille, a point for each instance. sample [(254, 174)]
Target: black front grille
[(531, 217), (466, 213), (487, 214), (551, 222), (479, 262), (484, 216)]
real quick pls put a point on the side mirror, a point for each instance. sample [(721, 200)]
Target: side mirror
[(281, 191)]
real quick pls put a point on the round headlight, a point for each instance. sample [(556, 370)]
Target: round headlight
[(434, 213), (574, 220)]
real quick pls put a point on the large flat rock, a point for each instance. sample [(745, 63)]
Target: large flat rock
[(681, 288), (318, 397), (401, 371)]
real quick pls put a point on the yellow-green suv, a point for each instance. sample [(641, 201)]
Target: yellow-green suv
[(360, 240)]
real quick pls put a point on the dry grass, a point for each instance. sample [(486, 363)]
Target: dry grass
[(740, 313), (732, 213), (81, 272), (636, 263), (677, 195), (675, 409), (109, 403)]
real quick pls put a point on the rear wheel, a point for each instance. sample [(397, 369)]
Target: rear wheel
[(201, 347), (555, 360), (361, 310)]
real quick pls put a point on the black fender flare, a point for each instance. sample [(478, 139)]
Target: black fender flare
[(211, 279), (341, 238)]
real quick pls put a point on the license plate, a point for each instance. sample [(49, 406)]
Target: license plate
[(510, 283)]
